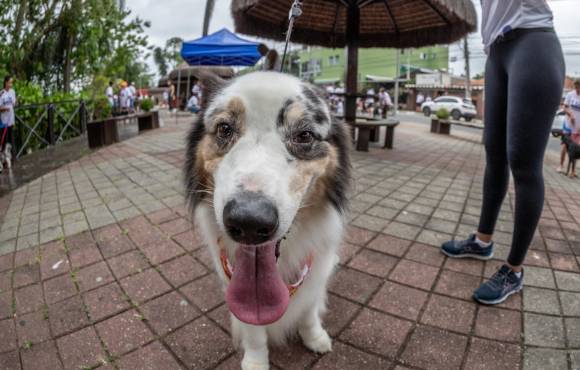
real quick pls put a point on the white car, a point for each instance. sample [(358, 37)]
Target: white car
[(457, 107)]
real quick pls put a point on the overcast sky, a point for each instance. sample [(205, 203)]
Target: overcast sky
[(184, 18)]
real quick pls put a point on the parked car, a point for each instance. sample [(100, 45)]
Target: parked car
[(457, 107)]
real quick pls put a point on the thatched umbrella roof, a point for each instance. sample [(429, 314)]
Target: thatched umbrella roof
[(383, 23), (194, 71)]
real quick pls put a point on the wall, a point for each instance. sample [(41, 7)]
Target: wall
[(379, 62)]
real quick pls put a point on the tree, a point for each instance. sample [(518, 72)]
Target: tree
[(61, 44), (169, 56), (159, 57)]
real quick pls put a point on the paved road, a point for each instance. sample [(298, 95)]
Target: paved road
[(553, 145)]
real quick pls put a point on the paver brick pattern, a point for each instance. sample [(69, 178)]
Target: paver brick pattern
[(101, 268)]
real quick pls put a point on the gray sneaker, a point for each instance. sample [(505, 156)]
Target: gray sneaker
[(468, 248), (502, 284)]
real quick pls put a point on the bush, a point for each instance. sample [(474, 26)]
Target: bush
[(147, 105), (103, 109), (442, 113)]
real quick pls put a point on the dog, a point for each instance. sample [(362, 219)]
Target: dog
[(266, 175), (573, 151)]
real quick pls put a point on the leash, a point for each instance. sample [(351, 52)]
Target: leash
[(295, 12)]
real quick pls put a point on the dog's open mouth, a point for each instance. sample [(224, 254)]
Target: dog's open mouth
[(256, 294)]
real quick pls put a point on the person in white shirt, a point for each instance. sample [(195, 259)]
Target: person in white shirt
[(7, 103), (196, 89), (419, 101), (110, 94), (370, 101), (384, 102), (524, 78), (193, 104), (124, 97), (132, 96)]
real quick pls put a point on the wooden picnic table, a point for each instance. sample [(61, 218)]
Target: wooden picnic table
[(369, 130)]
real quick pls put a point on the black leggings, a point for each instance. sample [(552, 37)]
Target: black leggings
[(524, 77)]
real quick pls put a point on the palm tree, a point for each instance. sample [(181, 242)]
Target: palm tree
[(209, 6)]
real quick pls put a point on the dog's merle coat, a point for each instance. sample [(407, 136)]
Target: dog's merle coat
[(272, 135)]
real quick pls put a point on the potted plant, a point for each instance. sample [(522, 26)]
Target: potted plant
[(149, 119), (444, 126), (102, 130)]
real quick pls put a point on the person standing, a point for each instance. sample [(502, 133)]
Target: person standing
[(385, 102), (110, 94), (132, 97), (7, 103), (124, 97), (420, 100), (172, 101), (524, 58), (572, 109)]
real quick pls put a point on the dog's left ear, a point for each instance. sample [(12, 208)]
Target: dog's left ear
[(211, 85)]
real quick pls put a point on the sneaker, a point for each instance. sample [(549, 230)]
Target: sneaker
[(468, 248), (502, 284), (560, 169)]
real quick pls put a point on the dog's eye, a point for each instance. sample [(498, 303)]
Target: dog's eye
[(224, 131), (304, 137)]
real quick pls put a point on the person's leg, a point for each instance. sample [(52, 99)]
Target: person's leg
[(532, 103), (496, 176), (562, 157)]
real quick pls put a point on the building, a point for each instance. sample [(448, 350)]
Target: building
[(324, 65)]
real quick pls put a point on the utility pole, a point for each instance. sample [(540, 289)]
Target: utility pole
[(467, 69), (397, 82)]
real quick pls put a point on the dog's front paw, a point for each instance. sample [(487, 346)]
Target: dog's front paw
[(319, 344), (250, 364)]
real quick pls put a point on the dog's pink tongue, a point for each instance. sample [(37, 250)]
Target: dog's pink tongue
[(257, 294)]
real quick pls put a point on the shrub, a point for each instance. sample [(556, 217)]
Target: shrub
[(147, 105), (103, 109), (442, 113)]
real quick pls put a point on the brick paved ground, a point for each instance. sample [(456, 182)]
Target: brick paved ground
[(99, 267)]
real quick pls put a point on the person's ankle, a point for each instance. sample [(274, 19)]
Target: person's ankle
[(482, 243)]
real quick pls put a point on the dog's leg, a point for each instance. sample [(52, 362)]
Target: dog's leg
[(254, 340), (313, 334)]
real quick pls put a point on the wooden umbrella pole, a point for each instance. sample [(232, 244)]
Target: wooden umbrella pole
[(352, 44)]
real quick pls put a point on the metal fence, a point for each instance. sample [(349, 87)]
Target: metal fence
[(39, 126)]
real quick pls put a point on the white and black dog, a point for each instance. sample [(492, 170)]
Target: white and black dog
[(266, 176)]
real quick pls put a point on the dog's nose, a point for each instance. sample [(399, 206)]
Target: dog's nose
[(250, 218)]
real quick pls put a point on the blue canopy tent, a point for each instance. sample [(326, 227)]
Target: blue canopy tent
[(222, 48)]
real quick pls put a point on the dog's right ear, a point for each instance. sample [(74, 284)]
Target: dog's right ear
[(211, 85)]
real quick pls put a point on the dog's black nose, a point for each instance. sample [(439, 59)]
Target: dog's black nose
[(250, 218)]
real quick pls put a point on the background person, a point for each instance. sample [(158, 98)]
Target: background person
[(572, 109), (521, 44), (385, 102), (7, 103), (193, 104), (110, 94)]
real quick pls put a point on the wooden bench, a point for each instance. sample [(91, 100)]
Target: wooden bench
[(443, 127), (369, 130)]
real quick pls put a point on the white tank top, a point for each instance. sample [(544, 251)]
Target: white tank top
[(501, 16)]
